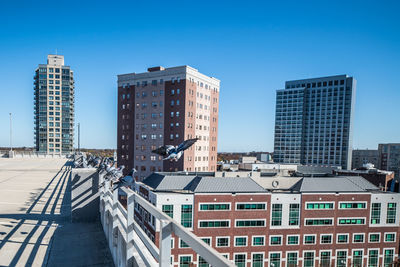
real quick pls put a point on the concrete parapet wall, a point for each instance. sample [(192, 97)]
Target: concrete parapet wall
[(84, 195)]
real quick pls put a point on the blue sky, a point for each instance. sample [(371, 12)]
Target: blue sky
[(252, 47)]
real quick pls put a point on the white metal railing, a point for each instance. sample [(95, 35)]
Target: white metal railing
[(129, 244)]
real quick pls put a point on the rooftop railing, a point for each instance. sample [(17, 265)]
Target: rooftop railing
[(129, 244)]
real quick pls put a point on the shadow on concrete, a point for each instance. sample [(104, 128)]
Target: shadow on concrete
[(71, 244)]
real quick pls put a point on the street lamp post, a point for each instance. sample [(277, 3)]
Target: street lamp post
[(11, 133)]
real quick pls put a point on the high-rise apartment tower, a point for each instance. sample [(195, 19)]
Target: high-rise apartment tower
[(54, 106), (165, 106), (314, 121)]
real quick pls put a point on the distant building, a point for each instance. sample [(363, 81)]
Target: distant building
[(389, 158), (165, 106), (54, 106), (381, 179), (264, 157), (314, 121), (363, 156), (344, 221)]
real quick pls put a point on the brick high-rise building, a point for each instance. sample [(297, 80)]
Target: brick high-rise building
[(54, 106), (314, 121), (165, 106)]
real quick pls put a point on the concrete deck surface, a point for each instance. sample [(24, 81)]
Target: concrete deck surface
[(35, 227)]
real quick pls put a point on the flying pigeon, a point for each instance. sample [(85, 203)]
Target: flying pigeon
[(174, 152)]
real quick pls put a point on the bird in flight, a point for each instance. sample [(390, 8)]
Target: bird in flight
[(171, 152)]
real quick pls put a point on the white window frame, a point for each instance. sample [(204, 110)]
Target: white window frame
[(292, 251), (347, 256), (184, 255), (179, 244), (213, 203), (240, 253), (380, 236), (352, 238), (304, 239), (257, 252), (240, 236), (325, 250), (222, 254), (319, 202), (340, 218), (229, 226), (172, 242), (363, 255), (255, 219), (348, 238), (216, 241), (315, 256), (266, 204), (287, 240), (320, 238), (331, 218), (274, 252), (383, 255), (252, 240), (379, 255), (353, 201), (270, 238), (209, 237), (384, 236)]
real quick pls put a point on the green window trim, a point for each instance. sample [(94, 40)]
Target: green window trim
[(319, 206), (358, 238), (342, 239), (294, 214), (257, 260), (275, 259), (292, 259), (326, 239), (347, 221), (250, 223), (374, 238), (308, 259), (391, 213), (182, 244), (341, 258), (352, 205), (169, 210), (316, 222), (185, 261), (373, 258), (222, 242), (186, 215), (309, 239), (388, 257), (258, 241), (390, 237), (240, 260), (240, 241), (276, 217), (358, 258), (275, 240), (206, 240), (376, 213)]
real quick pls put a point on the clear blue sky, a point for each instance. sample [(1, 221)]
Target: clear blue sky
[(252, 47)]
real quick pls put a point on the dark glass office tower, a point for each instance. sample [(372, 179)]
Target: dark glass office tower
[(314, 121)]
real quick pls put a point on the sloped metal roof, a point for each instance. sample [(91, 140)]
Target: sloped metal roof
[(336, 184)]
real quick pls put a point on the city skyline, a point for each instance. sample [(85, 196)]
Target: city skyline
[(252, 57)]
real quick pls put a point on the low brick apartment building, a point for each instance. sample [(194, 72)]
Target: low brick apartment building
[(340, 221)]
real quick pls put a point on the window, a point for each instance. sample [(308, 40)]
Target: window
[(357, 258), (374, 238), (240, 260), (341, 258), (309, 239), (373, 258), (202, 262), (319, 206), (344, 221), (257, 260), (169, 210), (206, 240), (213, 224), (182, 244), (274, 259), (276, 218), (388, 257), (308, 258), (292, 239), (291, 259), (275, 240), (294, 213), (358, 238), (342, 238), (326, 239), (250, 206), (186, 215), (314, 222), (352, 205), (325, 259), (241, 241), (376, 213), (222, 242), (391, 213), (258, 240), (250, 223), (185, 261), (215, 206), (390, 237)]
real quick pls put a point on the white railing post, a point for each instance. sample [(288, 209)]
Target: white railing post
[(130, 206), (165, 243)]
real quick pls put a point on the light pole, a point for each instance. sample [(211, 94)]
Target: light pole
[(10, 132), (79, 137)]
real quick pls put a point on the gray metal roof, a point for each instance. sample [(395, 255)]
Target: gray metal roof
[(336, 184), (198, 184)]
